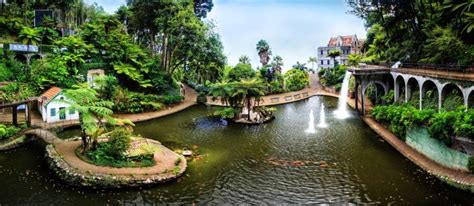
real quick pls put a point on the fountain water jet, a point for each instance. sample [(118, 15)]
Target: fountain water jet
[(341, 111), (311, 129), (322, 115)]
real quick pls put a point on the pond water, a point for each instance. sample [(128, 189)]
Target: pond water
[(273, 163)]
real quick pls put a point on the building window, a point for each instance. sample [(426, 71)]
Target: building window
[(72, 111), (329, 62), (322, 62), (322, 52), (53, 112)]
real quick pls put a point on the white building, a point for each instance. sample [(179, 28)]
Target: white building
[(52, 109), (345, 44)]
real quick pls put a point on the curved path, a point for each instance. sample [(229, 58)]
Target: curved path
[(315, 89), (164, 158)]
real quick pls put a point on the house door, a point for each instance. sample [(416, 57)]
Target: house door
[(62, 113)]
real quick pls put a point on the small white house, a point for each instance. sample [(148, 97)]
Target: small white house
[(53, 110), (92, 75)]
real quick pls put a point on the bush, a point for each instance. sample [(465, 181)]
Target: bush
[(119, 142), (295, 79), (132, 102), (226, 113), (239, 72), (332, 76), (7, 131), (170, 99)]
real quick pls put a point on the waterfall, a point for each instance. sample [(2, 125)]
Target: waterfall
[(322, 115), (311, 129), (341, 112)]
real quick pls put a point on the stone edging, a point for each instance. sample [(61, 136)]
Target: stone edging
[(88, 179)]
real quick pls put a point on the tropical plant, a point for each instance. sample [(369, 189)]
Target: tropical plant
[(312, 61), (354, 60), (296, 79), (333, 54), (94, 114), (239, 72), (244, 60), (29, 36), (264, 51)]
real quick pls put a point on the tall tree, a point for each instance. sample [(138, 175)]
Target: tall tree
[(264, 52), (312, 61), (244, 59)]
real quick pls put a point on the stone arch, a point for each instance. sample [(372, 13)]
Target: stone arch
[(35, 57), (470, 100), (21, 58), (430, 94), (451, 97), (413, 92), (400, 88)]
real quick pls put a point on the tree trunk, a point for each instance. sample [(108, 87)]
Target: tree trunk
[(248, 109), (84, 142)]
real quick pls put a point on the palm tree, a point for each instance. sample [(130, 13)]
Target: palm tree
[(248, 90), (29, 36), (312, 60), (277, 63), (244, 60), (94, 113), (333, 54), (264, 52)]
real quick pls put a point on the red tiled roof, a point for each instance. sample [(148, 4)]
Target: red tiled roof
[(346, 40), (49, 94)]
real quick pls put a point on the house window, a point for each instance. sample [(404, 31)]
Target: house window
[(72, 111), (53, 112), (329, 62), (322, 62), (322, 52)]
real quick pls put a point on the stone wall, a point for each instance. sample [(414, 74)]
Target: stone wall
[(419, 139)]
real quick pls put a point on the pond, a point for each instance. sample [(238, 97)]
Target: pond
[(273, 163)]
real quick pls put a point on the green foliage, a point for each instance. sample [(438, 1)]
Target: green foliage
[(29, 35), (7, 131), (101, 157), (401, 117), (420, 31), (106, 86), (239, 72), (332, 76), (226, 113), (443, 126), (133, 102), (119, 142), (52, 72), (354, 59), (453, 100), (296, 79), (389, 97), (14, 92)]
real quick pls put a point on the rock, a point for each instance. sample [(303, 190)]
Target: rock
[(187, 153)]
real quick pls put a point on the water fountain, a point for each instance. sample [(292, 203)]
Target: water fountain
[(341, 111), (322, 121), (311, 129)]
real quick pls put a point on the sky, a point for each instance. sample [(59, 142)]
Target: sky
[(293, 28)]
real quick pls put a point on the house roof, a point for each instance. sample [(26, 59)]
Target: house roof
[(49, 95), (345, 40)]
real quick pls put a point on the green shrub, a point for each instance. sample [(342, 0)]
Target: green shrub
[(132, 102), (7, 131), (332, 76), (119, 142), (226, 113), (296, 79), (170, 99), (239, 72)]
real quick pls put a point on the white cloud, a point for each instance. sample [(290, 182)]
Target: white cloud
[(294, 31)]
